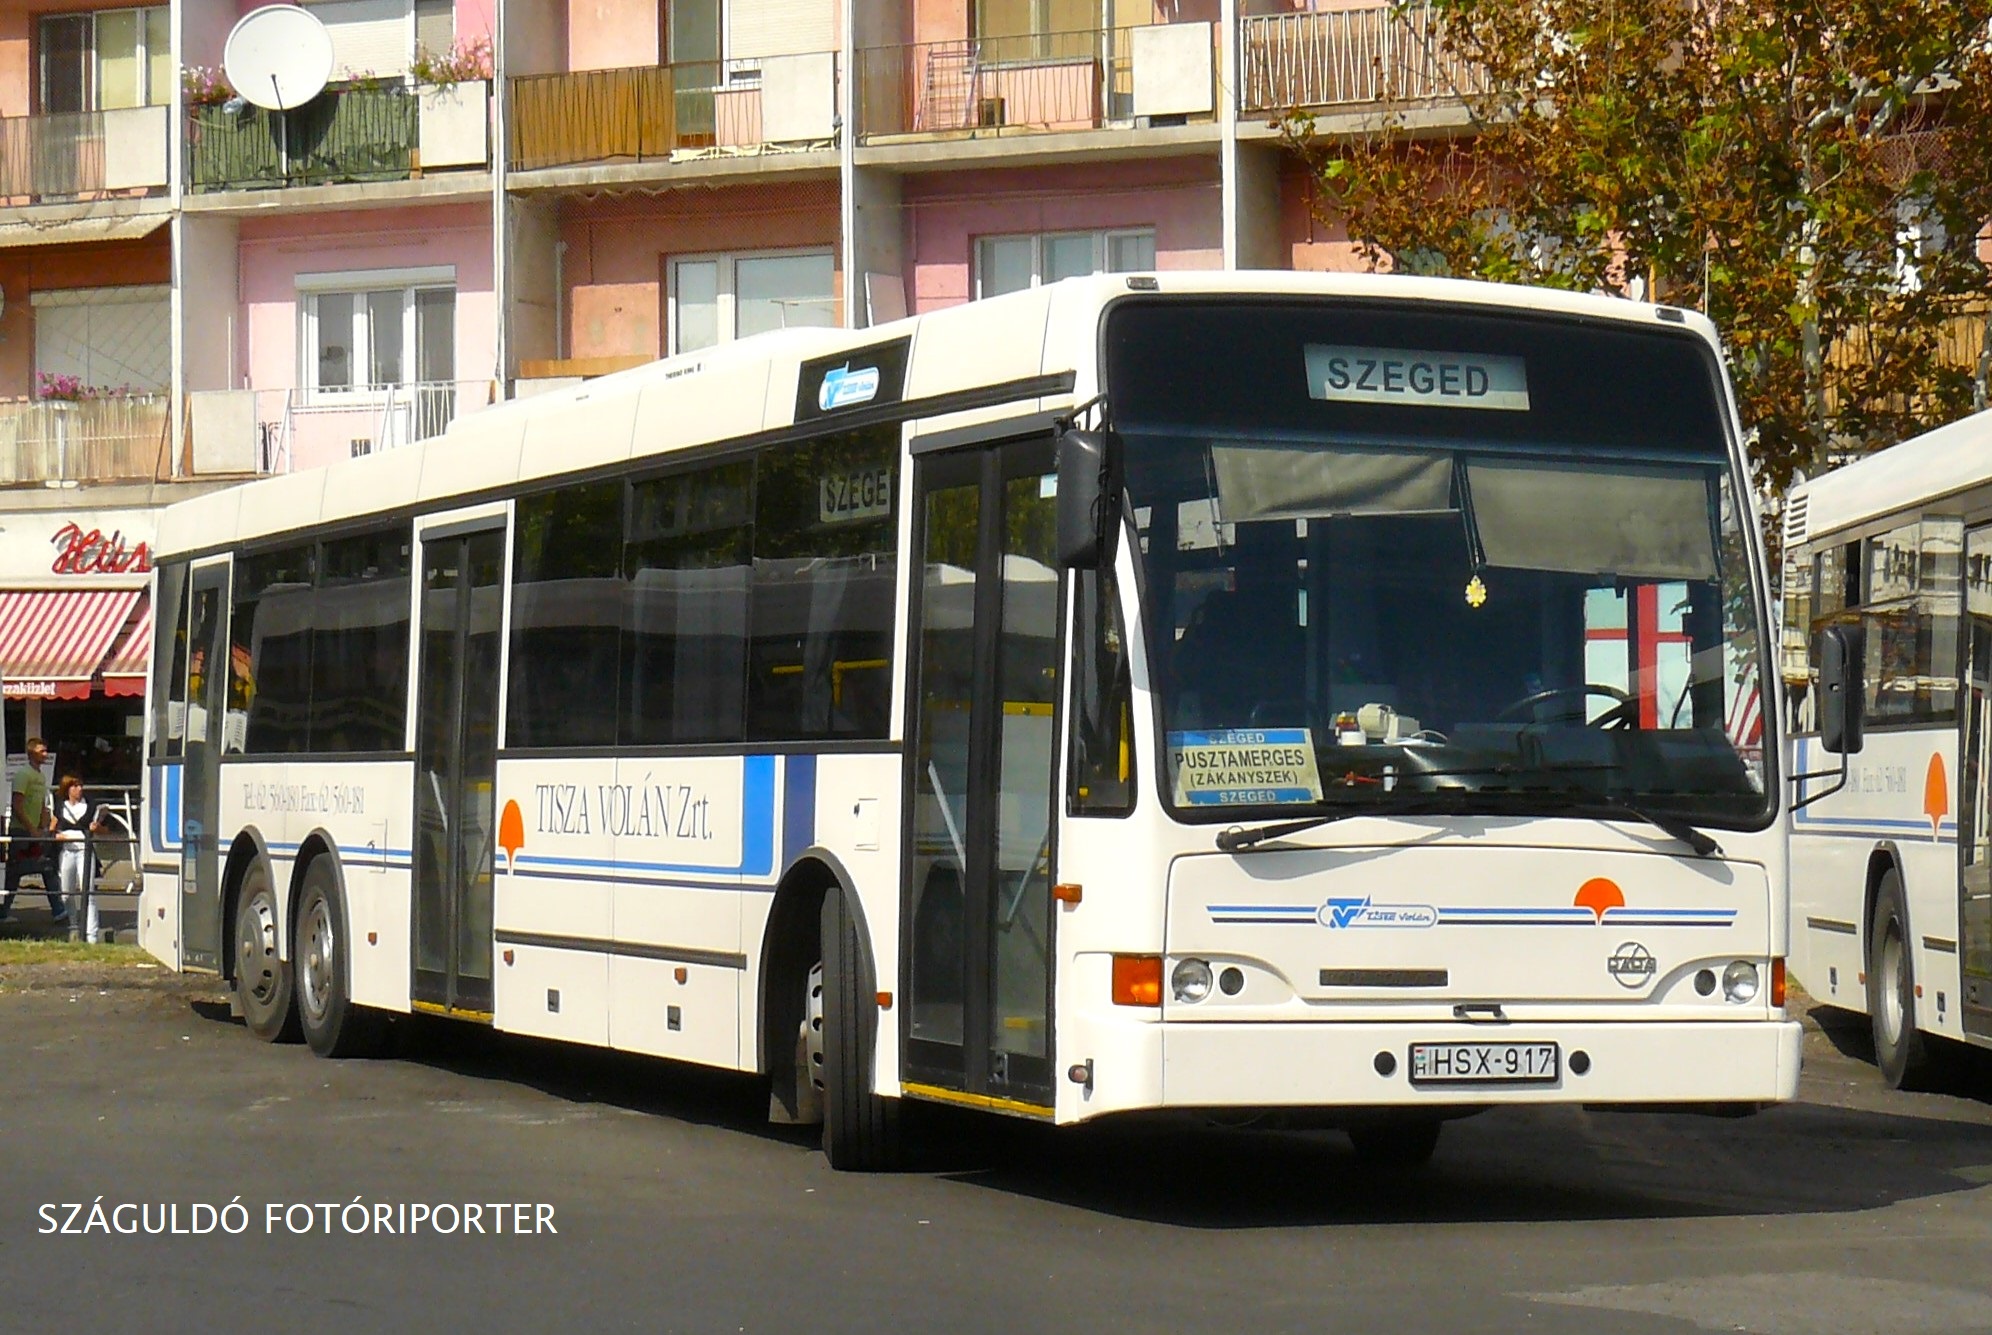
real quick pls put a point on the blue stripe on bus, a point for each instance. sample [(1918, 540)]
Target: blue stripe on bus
[(798, 806)]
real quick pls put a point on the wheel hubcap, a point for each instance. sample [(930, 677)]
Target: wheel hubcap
[(812, 1026), (1893, 980), (319, 960), (257, 949)]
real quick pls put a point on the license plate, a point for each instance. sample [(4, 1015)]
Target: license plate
[(1484, 1063)]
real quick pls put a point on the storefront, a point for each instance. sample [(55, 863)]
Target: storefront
[(75, 631)]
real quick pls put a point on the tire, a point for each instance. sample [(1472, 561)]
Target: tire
[(1397, 1144), (262, 975), (861, 1131), (332, 1024), (1900, 1049)]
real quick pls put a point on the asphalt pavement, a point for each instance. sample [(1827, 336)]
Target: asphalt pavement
[(660, 1200)]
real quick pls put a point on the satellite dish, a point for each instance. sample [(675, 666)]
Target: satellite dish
[(278, 57)]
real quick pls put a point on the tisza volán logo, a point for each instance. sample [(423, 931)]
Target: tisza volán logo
[(843, 387), (1362, 913)]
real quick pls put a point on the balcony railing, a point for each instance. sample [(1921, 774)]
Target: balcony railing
[(652, 113), (350, 134), (1038, 82), (1349, 57), (82, 155), (95, 440), (309, 428)]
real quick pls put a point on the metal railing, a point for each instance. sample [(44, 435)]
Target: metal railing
[(1381, 54), (347, 134), (638, 114), (1036, 82), (110, 856), (51, 441), (309, 428)]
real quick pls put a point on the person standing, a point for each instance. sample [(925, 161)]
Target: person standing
[(27, 832), (73, 828)]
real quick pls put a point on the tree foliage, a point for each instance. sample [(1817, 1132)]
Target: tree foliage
[(1814, 174)]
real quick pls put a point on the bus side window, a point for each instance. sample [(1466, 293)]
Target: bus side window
[(1102, 701), (169, 663)]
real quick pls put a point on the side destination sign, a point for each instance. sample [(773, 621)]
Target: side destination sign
[(1244, 767), (1418, 379)]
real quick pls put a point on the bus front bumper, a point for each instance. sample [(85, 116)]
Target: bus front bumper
[(1357, 1065)]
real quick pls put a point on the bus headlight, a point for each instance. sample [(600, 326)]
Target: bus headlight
[(1190, 981), (1739, 981)]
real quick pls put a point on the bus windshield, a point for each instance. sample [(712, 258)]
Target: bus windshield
[(1489, 563)]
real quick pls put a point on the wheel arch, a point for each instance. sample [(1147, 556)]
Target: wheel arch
[(790, 942), (247, 849), (1882, 859)]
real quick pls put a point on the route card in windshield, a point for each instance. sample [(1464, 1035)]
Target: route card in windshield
[(1244, 767)]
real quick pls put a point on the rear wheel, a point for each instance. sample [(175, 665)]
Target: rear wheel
[(1899, 1047), (1405, 1144), (860, 1129), (332, 1024), (262, 975)]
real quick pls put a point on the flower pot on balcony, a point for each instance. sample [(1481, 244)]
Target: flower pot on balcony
[(455, 124)]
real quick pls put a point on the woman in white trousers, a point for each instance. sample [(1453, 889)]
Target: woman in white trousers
[(73, 828)]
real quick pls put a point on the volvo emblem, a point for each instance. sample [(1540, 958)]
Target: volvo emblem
[(1633, 965)]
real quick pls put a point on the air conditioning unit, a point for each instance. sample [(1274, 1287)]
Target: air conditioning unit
[(988, 113)]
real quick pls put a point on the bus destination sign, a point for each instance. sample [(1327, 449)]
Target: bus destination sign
[(1244, 767), (1417, 379)]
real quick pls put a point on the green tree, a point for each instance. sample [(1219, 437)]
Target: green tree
[(1814, 174)]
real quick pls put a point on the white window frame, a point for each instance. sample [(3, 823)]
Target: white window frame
[(728, 285), (1102, 240), (144, 54), (359, 284)]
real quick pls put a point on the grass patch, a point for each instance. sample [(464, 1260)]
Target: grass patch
[(27, 951)]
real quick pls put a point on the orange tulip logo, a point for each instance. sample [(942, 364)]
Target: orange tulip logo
[(1936, 795), (511, 833)]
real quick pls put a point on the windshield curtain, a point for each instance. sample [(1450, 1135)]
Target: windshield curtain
[(1469, 610)]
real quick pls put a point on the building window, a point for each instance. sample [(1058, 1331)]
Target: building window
[(717, 298), (1012, 263), (106, 60), (378, 337)]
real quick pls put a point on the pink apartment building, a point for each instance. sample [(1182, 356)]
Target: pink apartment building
[(492, 197)]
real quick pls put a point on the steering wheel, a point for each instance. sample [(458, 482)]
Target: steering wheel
[(1619, 715)]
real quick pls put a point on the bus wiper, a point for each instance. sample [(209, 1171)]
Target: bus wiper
[(1666, 821), (1236, 839)]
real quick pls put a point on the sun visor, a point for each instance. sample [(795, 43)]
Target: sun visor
[(1262, 482), (1590, 518)]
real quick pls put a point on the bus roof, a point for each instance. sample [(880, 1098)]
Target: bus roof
[(748, 387), (1924, 468)]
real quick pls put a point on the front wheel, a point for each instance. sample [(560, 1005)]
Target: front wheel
[(262, 974), (333, 1025), (1899, 1047), (860, 1129)]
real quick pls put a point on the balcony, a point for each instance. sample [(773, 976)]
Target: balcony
[(82, 155), (661, 113), (61, 442), (307, 428), (1354, 57), (345, 135), (1036, 84)]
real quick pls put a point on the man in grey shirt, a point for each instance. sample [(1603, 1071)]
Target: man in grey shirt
[(31, 848)]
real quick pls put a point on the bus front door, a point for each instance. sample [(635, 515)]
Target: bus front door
[(1975, 830), (456, 757), (977, 898), (207, 704)]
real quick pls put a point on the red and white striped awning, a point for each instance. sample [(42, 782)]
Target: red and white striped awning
[(124, 670), (52, 641)]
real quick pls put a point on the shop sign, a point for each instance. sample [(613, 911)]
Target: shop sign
[(81, 551)]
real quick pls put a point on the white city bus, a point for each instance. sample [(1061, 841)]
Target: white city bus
[(1888, 571), (1232, 693)]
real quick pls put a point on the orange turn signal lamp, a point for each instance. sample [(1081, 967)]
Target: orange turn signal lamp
[(1137, 980), (1068, 892), (1778, 981)]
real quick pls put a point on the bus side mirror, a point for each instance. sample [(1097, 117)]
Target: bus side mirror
[(1087, 489), (1842, 693)]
